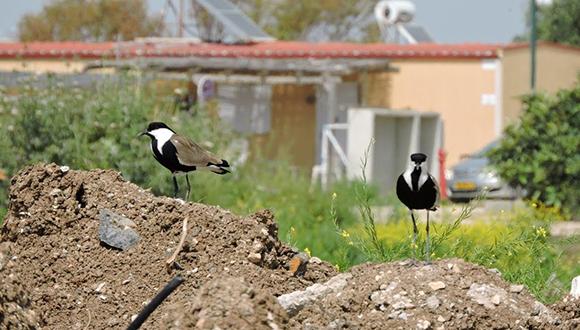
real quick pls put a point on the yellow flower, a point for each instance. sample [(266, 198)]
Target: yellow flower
[(337, 267), (333, 196), (541, 232), (307, 250), (344, 233), (350, 243)]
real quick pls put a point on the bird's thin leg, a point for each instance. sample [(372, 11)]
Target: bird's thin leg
[(175, 187), (188, 187), (415, 233), (428, 241)]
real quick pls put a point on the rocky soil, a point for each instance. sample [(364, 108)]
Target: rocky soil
[(55, 273)]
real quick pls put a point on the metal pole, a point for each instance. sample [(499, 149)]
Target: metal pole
[(180, 19), (533, 42)]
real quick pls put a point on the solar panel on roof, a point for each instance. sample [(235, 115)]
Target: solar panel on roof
[(418, 33), (235, 21)]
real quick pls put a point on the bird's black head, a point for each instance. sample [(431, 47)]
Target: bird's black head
[(153, 126), (156, 125), (418, 158)]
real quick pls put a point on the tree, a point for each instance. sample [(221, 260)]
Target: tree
[(90, 20), (560, 22), (540, 153)]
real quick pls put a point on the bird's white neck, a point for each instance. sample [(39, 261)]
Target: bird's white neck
[(422, 177), (161, 135)]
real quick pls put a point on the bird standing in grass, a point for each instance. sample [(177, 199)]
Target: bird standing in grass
[(418, 190), (181, 155)]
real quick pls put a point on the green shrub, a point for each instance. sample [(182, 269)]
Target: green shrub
[(540, 153)]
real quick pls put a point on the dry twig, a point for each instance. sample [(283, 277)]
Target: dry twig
[(171, 260)]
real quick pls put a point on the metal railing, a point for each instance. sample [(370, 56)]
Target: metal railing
[(330, 152)]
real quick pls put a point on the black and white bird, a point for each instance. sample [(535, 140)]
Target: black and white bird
[(418, 190), (181, 155)]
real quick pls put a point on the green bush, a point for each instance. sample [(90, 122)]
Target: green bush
[(540, 153)]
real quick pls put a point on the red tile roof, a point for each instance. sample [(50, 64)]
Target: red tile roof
[(276, 49)]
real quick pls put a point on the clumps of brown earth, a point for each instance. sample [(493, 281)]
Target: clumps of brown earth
[(75, 282), (229, 303), (56, 274), (15, 310)]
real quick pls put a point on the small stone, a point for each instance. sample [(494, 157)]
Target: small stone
[(495, 270), (102, 297), (64, 169), (423, 324), (403, 316), (257, 247), (441, 319), (126, 281), (133, 317), (55, 192), (99, 287), (575, 289), (516, 288), (433, 302), (315, 260), (438, 285), (496, 299), (255, 258), (297, 264)]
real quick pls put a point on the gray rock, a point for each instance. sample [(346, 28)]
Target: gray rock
[(423, 324), (516, 288), (433, 302), (486, 295), (438, 285), (116, 231), (255, 258), (293, 302)]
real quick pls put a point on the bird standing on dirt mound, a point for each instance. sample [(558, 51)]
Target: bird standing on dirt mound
[(181, 155), (418, 190)]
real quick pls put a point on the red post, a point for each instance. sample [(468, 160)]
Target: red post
[(442, 182)]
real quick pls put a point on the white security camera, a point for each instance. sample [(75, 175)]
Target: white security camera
[(389, 12)]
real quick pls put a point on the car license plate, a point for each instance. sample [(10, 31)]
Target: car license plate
[(464, 186)]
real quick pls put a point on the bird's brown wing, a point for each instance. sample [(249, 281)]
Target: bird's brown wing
[(191, 154)]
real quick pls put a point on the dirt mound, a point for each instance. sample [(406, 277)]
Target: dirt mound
[(55, 272), (229, 303), (52, 226), (448, 294)]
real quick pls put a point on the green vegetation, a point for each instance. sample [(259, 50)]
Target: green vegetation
[(540, 153), (559, 22), (97, 128)]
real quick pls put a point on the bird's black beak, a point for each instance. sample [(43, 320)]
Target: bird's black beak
[(142, 133)]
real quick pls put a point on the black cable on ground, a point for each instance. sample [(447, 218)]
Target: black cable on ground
[(155, 302)]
